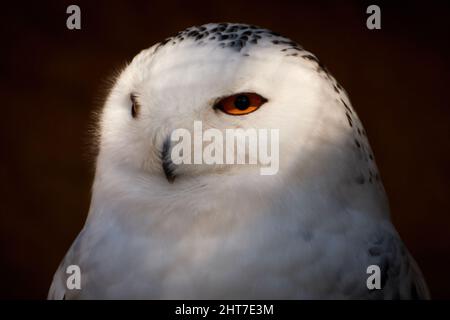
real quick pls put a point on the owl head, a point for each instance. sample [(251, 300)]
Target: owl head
[(240, 77)]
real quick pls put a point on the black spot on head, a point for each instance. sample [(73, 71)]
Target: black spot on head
[(357, 143), (349, 119), (164, 41), (192, 33), (323, 69), (346, 106), (235, 36), (310, 57)]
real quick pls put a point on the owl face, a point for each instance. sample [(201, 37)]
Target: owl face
[(225, 76)]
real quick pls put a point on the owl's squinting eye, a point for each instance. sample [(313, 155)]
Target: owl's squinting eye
[(134, 105), (240, 103)]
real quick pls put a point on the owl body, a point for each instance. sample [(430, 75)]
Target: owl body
[(157, 230)]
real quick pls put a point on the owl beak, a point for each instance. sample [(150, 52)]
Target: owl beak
[(168, 166)]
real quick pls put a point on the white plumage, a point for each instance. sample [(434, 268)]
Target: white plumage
[(309, 231)]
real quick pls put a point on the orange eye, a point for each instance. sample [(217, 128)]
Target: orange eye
[(240, 104)]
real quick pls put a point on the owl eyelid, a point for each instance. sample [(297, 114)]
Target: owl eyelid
[(133, 97), (134, 105)]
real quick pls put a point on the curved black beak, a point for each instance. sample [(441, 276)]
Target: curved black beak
[(166, 161)]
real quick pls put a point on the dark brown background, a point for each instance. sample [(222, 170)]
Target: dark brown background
[(52, 78)]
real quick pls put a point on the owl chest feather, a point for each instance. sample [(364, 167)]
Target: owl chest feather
[(227, 253)]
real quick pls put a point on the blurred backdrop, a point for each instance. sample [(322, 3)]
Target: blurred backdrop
[(53, 78)]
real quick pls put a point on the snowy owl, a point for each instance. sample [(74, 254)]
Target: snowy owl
[(160, 230)]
